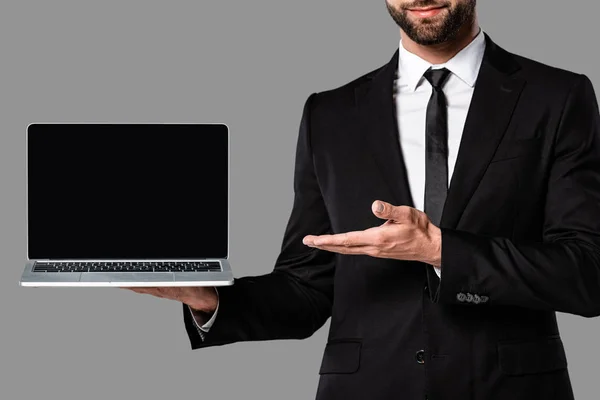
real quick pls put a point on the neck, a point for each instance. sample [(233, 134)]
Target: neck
[(442, 52)]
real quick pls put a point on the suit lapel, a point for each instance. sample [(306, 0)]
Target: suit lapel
[(379, 130), (494, 98)]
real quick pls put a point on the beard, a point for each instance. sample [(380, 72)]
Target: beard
[(439, 29)]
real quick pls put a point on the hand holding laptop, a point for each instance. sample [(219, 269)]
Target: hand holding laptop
[(201, 298)]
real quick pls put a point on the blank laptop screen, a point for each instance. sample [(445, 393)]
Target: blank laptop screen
[(103, 191)]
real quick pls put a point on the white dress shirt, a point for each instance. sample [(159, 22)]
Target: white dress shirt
[(411, 95)]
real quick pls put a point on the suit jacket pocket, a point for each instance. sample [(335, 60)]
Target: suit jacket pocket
[(532, 356), (509, 149), (341, 356)]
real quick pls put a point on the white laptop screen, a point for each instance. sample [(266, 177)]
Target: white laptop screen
[(127, 191)]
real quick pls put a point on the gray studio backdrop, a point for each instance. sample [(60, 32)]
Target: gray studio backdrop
[(250, 64)]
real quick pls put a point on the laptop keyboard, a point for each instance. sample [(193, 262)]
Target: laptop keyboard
[(117, 266)]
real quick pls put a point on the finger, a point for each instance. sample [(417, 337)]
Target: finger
[(348, 239), (405, 214), (356, 250), (388, 211), (308, 239), (160, 292), (382, 209), (368, 237)]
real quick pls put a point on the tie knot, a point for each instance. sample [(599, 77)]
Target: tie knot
[(436, 77)]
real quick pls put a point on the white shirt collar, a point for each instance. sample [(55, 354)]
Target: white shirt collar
[(465, 64)]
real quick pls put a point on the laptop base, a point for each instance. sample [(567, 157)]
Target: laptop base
[(31, 278)]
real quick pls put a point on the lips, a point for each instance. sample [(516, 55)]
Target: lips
[(426, 12)]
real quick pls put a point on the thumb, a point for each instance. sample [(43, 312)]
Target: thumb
[(382, 209)]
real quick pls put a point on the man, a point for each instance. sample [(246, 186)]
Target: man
[(435, 290)]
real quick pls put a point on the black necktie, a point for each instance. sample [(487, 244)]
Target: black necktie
[(436, 143)]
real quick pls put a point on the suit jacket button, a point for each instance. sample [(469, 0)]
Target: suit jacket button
[(461, 297), (469, 297), (420, 356), (476, 299)]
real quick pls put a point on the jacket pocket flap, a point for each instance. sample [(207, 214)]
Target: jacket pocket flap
[(341, 356), (530, 357)]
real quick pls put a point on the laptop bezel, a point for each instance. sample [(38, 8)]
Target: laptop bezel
[(126, 259)]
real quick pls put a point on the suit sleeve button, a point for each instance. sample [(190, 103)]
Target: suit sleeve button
[(461, 297), (484, 299), (469, 297)]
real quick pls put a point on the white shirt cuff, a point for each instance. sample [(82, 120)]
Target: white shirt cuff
[(210, 322)]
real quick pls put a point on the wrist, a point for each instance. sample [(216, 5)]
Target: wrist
[(434, 246), (205, 301)]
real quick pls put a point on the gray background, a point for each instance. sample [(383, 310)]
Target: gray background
[(249, 64)]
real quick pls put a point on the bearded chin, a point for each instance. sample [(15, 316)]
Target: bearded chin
[(429, 32)]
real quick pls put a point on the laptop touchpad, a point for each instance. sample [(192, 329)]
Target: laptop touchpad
[(127, 277)]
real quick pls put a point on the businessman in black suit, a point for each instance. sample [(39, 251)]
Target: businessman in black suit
[(446, 206)]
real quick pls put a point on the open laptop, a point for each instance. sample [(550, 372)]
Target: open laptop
[(127, 205)]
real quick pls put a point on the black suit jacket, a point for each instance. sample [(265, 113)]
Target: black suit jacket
[(520, 226)]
